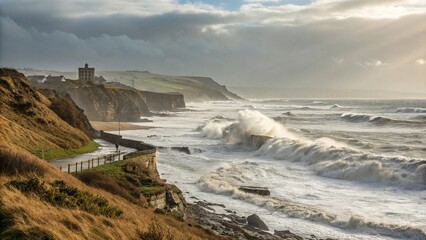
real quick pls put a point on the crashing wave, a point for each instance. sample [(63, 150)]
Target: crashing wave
[(336, 106), (227, 179), (332, 159), (411, 110), (359, 117), (326, 156)]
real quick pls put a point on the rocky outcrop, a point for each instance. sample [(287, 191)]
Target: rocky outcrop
[(256, 141), (286, 234), (263, 191), (163, 101), (255, 221)]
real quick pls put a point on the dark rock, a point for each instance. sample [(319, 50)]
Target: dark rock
[(255, 190), (255, 221), (286, 234), (256, 141), (181, 149)]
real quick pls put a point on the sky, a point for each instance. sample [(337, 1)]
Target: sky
[(336, 44)]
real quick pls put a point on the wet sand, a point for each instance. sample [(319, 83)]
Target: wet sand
[(113, 126)]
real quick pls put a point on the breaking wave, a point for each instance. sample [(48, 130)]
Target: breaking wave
[(327, 157), (359, 117), (411, 110), (227, 179), (378, 120), (332, 159)]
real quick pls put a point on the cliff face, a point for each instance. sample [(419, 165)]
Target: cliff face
[(115, 103), (68, 111), (26, 120), (102, 103), (163, 101)]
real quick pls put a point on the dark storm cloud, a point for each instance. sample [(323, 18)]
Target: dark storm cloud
[(238, 48)]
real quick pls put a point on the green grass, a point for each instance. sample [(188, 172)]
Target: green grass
[(152, 190), (59, 194), (65, 153), (112, 169)]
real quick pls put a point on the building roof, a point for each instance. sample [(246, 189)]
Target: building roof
[(36, 77), (55, 78), (100, 79)]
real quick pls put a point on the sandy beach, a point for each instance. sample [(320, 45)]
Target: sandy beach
[(113, 126)]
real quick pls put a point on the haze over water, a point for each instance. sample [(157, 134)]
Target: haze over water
[(350, 169)]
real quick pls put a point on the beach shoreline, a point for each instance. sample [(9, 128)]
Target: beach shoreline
[(114, 126)]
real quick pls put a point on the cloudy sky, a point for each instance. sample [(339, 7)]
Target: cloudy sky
[(348, 44)]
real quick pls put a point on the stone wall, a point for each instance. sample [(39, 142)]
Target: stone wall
[(118, 139)]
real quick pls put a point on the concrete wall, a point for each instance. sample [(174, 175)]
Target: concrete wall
[(141, 147)]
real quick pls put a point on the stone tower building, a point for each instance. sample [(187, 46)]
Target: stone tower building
[(86, 73)]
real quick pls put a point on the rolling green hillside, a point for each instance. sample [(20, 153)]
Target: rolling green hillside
[(194, 89)]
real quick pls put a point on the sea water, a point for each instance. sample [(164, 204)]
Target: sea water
[(347, 169)]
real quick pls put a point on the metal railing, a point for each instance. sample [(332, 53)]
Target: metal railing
[(90, 163)]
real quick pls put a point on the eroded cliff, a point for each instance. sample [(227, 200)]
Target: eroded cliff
[(107, 102)]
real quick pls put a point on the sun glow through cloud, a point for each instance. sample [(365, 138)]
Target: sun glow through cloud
[(343, 42)]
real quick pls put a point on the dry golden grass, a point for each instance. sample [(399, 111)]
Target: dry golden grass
[(30, 214), (26, 120)]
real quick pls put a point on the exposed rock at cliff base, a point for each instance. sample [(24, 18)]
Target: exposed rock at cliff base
[(255, 221)]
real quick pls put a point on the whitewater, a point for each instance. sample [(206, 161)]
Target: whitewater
[(346, 169)]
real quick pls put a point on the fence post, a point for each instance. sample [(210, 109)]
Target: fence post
[(76, 167), (60, 168), (68, 168), (92, 162), (104, 159), (88, 164), (98, 161), (81, 166)]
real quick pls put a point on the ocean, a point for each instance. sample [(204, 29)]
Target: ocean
[(346, 169)]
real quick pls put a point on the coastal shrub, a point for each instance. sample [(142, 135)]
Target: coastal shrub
[(105, 182), (152, 190), (59, 194), (155, 231)]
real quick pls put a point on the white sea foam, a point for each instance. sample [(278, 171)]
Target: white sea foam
[(253, 123), (327, 157), (226, 180)]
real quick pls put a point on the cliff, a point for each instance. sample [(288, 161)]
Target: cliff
[(68, 111), (38, 201), (28, 122), (194, 89), (108, 102)]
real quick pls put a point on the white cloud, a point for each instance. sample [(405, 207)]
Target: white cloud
[(421, 61)]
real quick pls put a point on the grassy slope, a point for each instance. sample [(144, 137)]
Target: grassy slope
[(192, 89), (27, 122), (71, 152), (29, 215)]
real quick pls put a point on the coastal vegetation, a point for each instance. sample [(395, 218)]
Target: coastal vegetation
[(71, 152), (38, 201)]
